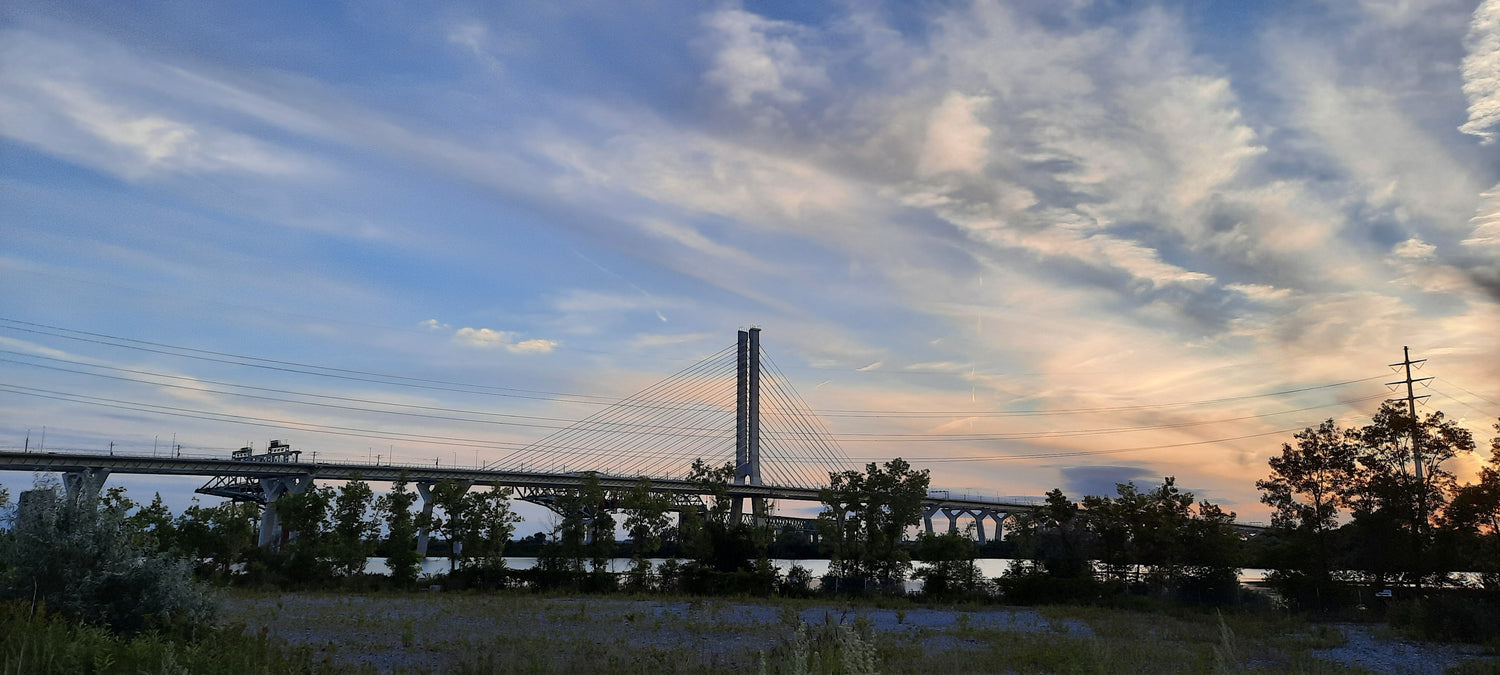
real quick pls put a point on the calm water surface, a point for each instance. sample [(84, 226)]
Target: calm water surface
[(990, 567)]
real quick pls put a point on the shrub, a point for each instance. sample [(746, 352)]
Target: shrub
[(1456, 616), (75, 556)]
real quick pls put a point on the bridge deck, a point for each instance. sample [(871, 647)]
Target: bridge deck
[(385, 472)]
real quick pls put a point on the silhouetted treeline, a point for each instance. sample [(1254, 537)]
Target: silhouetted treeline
[(1353, 515)]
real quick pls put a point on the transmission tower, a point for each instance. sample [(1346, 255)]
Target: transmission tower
[(1411, 406)]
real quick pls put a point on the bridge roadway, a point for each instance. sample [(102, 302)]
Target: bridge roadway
[(199, 465)]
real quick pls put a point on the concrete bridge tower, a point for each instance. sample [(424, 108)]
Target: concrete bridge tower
[(747, 422)]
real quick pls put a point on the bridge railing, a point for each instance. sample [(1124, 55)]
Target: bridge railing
[(955, 495)]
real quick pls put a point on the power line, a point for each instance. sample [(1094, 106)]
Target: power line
[(1071, 411), (561, 397), (803, 431)]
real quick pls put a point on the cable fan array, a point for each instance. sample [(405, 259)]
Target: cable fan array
[(661, 430)]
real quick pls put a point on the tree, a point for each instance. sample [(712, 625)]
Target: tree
[(599, 526), (494, 523), (304, 516), (402, 558), (949, 570), (713, 538), (1306, 488), (1388, 503), (152, 525), (222, 534), (1474, 512), (454, 516), (585, 530), (1158, 540), (1054, 539), (352, 527), (645, 516), (866, 518), (646, 521)]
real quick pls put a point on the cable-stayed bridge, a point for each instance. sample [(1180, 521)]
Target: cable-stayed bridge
[(734, 407)]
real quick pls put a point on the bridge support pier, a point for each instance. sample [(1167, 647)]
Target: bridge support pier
[(85, 484), (927, 513), (953, 515), (423, 532), (271, 533)]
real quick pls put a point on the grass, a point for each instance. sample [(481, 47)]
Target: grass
[(528, 633), (33, 640), (523, 633)]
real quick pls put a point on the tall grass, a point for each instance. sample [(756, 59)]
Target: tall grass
[(36, 641)]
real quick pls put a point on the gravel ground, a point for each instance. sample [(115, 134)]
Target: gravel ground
[(439, 632), (1365, 649)]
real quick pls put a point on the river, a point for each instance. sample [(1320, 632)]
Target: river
[(990, 567)]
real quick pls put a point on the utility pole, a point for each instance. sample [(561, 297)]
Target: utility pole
[(1416, 453), (1411, 407)]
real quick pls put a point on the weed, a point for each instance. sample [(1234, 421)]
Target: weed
[(1224, 656)]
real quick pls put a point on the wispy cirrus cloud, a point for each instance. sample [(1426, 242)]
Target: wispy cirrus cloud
[(1481, 72)]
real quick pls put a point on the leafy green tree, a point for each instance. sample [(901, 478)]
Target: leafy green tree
[(222, 534), (949, 568), (454, 516), (1053, 539), (645, 516), (494, 523), (1159, 540), (866, 518), (152, 525), (646, 521), (599, 524), (561, 558), (1474, 513), (714, 539), (1307, 487), (353, 528), (1392, 510), (402, 557), (304, 516)]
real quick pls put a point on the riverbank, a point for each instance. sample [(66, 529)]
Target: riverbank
[(502, 633)]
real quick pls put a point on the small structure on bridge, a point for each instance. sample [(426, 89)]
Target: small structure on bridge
[(264, 489)]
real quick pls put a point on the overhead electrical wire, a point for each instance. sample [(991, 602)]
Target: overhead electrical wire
[(562, 397), (638, 428), (472, 443), (804, 431), (659, 429)]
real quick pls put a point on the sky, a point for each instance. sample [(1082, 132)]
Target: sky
[(1024, 245)]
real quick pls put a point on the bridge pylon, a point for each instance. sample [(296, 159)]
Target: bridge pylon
[(747, 422)]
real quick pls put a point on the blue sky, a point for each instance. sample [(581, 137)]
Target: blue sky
[(1039, 207)]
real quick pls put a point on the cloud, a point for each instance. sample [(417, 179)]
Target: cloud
[(486, 338), (54, 100), (955, 137), (434, 324), (669, 339), (689, 237), (757, 59), (1100, 481), (1481, 72), (474, 38)]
